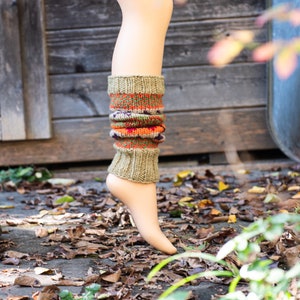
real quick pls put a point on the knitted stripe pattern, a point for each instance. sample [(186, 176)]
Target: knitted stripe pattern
[(137, 125)]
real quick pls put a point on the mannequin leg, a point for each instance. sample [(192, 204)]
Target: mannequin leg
[(136, 88)]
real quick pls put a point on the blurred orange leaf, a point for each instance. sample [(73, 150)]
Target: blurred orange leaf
[(265, 51), (215, 212), (205, 203), (224, 51), (278, 12), (286, 62), (294, 17)]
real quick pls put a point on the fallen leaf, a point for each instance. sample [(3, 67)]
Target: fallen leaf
[(69, 282), (11, 261), (17, 298), (296, 196), (43, 271), (14, 222), (64, 199), (15, 254), (257, 190), (7, 206), (232, 219), (272, 198), (293, 188), (223, 186), (205, 203), (213, 192), (112, 277), (41, 232), (61, 181), (215, 212), (186, 199), (29, 281)]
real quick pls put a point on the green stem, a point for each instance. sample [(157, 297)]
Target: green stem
[(188, 279)]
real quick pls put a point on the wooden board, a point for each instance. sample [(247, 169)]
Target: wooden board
[(35, 73), (284, 96), (187, 44), (66, 14), (11, 87), (240, 85), (188, 133)]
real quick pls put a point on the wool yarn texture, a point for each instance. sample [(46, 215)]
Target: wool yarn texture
[(137, 125)]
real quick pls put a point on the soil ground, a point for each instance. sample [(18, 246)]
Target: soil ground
[(92, 239)]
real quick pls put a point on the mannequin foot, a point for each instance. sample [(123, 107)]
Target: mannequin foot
[(140, 198)]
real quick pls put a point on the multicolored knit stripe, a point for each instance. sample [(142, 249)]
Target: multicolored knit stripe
[(136, 102), (137, 125)]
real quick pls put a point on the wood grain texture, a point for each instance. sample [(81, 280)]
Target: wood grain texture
[(187, 44), (188, 133), (35, 73), (11, 89), (68, 14), (187, 89)]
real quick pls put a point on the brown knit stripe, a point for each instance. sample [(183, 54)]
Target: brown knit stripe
[(135, 144), (136, 85), (151, 103)]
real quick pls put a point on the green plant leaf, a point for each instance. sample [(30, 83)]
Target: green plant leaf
[(66, 295), (64, 199)]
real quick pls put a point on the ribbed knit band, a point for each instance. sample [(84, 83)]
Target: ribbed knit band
[(137, 126)]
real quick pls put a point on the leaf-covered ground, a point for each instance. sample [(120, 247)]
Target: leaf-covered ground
[(66, 235)]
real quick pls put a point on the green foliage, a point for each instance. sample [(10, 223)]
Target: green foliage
[(265, 282), (90, 292), (30, 174)]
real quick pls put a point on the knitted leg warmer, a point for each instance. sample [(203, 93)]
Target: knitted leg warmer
[(137, 123)]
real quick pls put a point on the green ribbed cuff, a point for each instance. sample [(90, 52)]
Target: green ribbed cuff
[(136, 84), (138, 165)]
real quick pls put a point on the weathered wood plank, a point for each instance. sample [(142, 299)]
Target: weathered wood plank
[(64, 14), (35, 76), (188, 133), (188, 88), (90, 50), (11, 89)]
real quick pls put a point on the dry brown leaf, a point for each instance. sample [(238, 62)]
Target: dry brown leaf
[(203, 232), (48, 293), (98, 232), (29, 281), (11, 261), (70, 282), (112, 277), (14, 222), (43, 271), (17, 298), (15, 254), (291, 256), (41, 232), (77, 232)]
